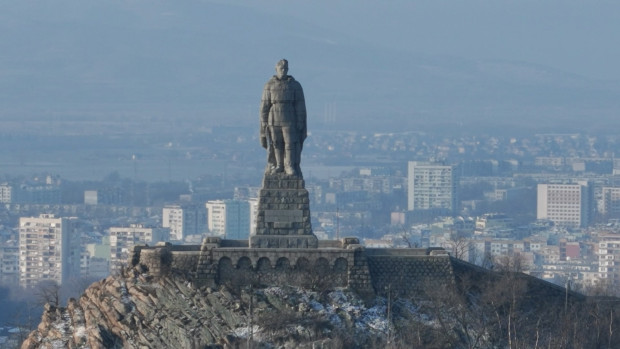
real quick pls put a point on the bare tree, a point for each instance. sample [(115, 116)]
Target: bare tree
[(48, 292), (460, 313), (405, 235), (460, 247)]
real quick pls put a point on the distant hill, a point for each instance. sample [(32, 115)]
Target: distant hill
[(207, 62)]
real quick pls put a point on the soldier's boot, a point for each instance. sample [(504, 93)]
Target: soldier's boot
[(289, 161), (279, 155)]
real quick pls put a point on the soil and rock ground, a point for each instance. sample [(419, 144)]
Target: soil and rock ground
[(137, 311)]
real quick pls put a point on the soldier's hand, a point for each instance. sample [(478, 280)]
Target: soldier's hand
[(263, 142)]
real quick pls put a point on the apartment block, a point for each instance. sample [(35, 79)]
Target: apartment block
[(229, 218), (432, 187), (9, 262), (184, 220), (565, 204), (609, 259), (253, 214), (123, 239), (610, 203), (49, 250), (6, 194)]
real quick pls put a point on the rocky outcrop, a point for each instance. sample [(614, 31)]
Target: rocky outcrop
[(138, 311), (465, 306)]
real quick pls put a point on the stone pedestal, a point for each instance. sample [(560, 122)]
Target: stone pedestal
[(283, 219)]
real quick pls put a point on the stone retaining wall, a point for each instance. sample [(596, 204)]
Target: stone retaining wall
[(348, 264), (409, 276)]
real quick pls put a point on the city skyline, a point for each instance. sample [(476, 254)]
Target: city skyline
[(476, 133)]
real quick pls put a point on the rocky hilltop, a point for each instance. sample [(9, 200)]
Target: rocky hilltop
[(479, 309), (137, 311)]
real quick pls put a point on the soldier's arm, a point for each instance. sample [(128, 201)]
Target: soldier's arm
[(265, 106), (300, 110)]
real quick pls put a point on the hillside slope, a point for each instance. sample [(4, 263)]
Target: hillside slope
[(139, 312), (480, 310)]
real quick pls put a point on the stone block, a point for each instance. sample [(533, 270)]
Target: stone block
[(283, 217)]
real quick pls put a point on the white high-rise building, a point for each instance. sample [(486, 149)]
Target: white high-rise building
[(565, 204), (229, 218), (253, 214), (432, 187), (123, 239), (184, 220), (47, 250), (609, 259)]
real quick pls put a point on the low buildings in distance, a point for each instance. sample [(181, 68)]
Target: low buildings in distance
[(553, 200)]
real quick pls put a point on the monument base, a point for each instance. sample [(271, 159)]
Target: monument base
[(284, 241), (283, 217)]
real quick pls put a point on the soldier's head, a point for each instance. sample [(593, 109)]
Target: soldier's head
[(281, 68)]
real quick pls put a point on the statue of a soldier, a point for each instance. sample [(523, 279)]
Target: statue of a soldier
[(283, 122)]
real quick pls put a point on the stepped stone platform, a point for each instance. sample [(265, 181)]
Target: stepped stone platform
[(283, 219)]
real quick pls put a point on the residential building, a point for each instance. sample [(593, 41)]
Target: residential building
[(548, 255), (498, 247), (610, 203), (9, 262), (565, 204), (609, 259), (569, 250), (491, 221), (229, 218), (96, 259), (49, 250), (6, 193), (432, 187), (372, 184), (104, 196), (123, 239), (253, 214), (184, 220)]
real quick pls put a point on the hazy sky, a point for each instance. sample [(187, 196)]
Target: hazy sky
[(575, 36), (412, 61), (171, 67)]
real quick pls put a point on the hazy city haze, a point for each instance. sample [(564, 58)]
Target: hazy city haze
[(486, 130), (163, 70), (455, 60)]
